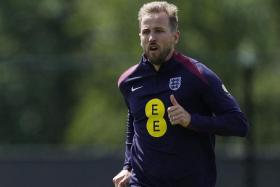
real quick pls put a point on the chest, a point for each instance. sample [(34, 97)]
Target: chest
[(152, 93)]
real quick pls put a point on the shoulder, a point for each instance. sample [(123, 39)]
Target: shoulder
[(126, 74), (197, 68)]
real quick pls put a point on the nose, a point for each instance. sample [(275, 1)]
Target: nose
[(152, 37)]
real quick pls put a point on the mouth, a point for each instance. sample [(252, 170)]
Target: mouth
[(153, 47)]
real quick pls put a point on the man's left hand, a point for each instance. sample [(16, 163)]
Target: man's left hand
[(177, 114)]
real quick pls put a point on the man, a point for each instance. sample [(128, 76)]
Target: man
[(176, 106)]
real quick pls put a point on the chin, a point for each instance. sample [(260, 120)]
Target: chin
[(153, 60)]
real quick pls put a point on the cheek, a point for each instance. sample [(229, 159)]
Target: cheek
[(172, 41), (166, 38), (168, 42), (143, 42)]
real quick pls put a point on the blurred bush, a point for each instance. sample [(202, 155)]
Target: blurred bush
[(60, 61)]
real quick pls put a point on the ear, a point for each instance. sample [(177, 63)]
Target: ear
[(176, 36), (140, 39)]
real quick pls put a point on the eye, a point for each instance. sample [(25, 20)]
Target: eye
[(145, 31), (159, 30)]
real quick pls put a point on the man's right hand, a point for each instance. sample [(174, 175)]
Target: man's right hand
[(122, 178)]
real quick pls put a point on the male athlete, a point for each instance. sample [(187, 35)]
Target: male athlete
[(176, 106)]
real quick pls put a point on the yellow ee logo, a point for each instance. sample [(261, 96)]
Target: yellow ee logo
[(156, 124)]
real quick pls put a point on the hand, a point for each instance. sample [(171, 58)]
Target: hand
[(122, 178), (177, 114)]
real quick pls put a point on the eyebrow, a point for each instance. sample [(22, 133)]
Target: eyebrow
[(159, 28), (146, 28)]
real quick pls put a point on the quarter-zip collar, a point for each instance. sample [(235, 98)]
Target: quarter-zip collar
[(164, 66)]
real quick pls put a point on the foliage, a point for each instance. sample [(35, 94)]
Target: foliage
[(60, 60)]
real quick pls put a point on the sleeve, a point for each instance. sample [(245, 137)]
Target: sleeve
[(227, 118), (129, 123), (128, 143)]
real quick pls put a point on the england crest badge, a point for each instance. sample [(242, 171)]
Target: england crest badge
[(175, 83)]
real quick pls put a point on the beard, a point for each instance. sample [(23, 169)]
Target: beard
[(159, 56)]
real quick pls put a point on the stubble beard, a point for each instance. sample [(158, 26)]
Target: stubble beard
[(160, 58)]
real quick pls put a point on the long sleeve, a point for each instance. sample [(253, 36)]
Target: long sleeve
[(228, 124), (227, 118), (129, 139)]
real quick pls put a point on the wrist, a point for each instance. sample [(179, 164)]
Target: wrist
[(127, 167), (187, 121)]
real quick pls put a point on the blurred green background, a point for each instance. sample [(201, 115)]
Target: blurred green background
[(60, 61)]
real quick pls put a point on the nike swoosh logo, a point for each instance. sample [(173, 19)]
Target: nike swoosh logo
[(134, 89)]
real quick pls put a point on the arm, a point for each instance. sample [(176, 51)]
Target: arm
[(227, 118), (122, 178), (129, 139), (228, 124)]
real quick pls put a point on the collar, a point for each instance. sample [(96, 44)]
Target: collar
[(166, 65)]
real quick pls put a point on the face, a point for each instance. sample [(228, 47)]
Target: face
[(157, 39)]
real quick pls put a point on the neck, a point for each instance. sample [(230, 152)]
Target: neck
[(168, 57)]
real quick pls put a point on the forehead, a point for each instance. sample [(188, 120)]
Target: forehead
[(154, 20)]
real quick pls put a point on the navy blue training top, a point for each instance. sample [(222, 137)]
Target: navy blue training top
[(158, 149)]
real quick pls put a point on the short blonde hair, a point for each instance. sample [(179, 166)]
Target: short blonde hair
[(161, 6)]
